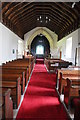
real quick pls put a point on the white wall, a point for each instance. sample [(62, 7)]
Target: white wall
[(9, 42), (62, 45), (79, 36), (0, 45)]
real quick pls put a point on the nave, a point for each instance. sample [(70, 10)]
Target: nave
[(38, 89), (41, 100), (40, 33)]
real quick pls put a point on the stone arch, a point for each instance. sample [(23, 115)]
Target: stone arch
[(40, 31)]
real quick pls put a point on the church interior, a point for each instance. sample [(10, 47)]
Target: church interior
[(40, 60)]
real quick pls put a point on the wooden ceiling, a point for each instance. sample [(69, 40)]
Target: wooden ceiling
[(21, 17)]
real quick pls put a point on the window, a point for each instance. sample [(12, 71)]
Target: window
[(39, 49), (78, 57), (69, 47)]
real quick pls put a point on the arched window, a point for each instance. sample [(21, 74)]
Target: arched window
[(40, 49)]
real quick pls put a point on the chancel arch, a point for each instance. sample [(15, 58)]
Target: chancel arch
[(38, 32), (40, 46)]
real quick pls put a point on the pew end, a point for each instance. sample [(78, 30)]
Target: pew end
[(76, 107), (70, 92), (6, 105)]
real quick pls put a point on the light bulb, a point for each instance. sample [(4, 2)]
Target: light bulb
[(40, 17)]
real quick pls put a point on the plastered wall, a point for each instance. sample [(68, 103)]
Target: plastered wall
[(8, 44), (61, 45)]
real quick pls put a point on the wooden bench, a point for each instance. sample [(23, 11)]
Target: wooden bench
[(11, 74), (53, 64), (73, 75), (18, 69), (28, 62), (70, 70), (6, 104), (75, 81), (70, 91), (14, 85), (19, 64), (76, 107)]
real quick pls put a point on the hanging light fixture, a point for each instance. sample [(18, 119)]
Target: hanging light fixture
[(43, 19)]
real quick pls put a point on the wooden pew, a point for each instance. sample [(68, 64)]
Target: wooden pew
[(70, 70), (75, 81), (50, 63), (15, 87), (70, 91), (53, 64), (19, 64), (76, 107), (11, 74), (73, 75), (6, 104), (22, 63), (14, 70)]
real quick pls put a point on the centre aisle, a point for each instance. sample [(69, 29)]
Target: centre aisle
[(41, 100)]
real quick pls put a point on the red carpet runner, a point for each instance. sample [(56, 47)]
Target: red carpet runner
[(41, 100), (39, 61)]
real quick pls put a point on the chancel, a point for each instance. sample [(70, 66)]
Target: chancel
[(40, 60)]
